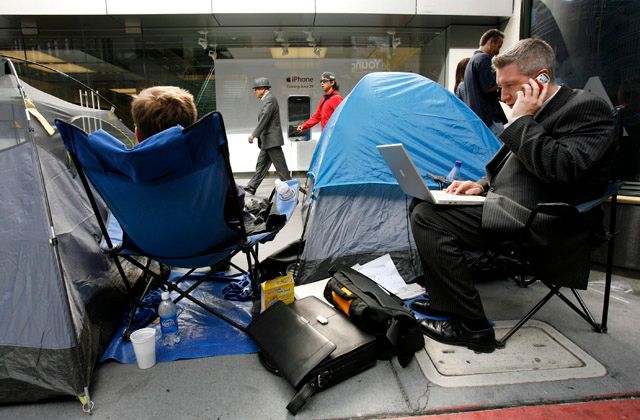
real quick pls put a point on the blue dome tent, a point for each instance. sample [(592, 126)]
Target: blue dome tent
[(360, 212)]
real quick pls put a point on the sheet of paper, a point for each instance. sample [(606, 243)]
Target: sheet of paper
[(410, 291), (383, 271), (311, 289)]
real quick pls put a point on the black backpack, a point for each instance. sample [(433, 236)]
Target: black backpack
[(375, 311)]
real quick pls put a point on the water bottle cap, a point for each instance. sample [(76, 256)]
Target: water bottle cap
[(165, 295), (458, 162), (282, 187)]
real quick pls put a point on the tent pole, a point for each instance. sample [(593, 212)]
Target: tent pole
[(304, 230), (35, 63), (53, 240), (84, 127)]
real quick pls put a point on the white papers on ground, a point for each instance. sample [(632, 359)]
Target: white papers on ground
[(383, 271), (410, 291), (311, 289)]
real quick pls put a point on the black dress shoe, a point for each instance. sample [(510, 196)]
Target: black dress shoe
[(454, 332), (250, 190)]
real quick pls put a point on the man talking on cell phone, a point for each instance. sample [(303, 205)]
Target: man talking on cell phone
[(558, 147)]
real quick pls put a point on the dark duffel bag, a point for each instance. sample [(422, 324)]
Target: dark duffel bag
[(282, 261), (375, 311)]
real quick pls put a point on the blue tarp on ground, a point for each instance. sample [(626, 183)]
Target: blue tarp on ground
[(202, 334), (435, 127)]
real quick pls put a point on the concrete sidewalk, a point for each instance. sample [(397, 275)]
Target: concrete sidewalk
[(238, 387)]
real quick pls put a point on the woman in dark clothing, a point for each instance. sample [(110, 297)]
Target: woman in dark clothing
[(458, 89)]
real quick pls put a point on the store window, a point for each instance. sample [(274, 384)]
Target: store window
[(598, 48), (119, 62)]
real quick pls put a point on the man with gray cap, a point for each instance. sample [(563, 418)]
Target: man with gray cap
[(269, 135), (328, 103)]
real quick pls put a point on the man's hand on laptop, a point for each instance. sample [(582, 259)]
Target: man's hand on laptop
[(465, 188)]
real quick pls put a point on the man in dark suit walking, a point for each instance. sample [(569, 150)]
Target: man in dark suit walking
[(558, 147), (269, 135)]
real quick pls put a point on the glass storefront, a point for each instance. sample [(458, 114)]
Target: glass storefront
[(119, 62), (598, 48)]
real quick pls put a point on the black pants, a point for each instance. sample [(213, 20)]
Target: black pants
[(442, 234), (273, 155)]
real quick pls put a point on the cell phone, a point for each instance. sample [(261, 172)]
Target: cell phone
[(542, 79)]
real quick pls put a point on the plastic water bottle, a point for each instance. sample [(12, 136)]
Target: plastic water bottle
[(455, 171), (284, 191), (168, 312)]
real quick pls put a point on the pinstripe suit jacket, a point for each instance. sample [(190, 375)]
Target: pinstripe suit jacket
[(564, 154), (269, 131)]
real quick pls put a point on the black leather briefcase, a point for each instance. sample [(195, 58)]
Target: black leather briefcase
[(311, 345)]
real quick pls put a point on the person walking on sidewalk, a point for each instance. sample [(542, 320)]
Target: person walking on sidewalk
[(269, 135), (328, 103)]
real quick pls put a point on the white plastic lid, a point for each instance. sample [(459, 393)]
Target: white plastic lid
[(282, 187), (165, 295)]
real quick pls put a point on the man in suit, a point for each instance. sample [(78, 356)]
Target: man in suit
[(269, 135), (558, 147)]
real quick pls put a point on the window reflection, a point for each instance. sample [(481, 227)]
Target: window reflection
[(119, 62), (597, 47)]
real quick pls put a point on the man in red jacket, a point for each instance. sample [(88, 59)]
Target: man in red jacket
[(328, 103)]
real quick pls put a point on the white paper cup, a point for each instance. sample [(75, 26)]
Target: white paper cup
[(144, 346)]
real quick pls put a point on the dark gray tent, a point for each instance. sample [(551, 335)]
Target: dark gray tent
[(60, 297)]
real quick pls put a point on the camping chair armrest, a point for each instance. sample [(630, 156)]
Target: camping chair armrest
[(612, 189), (568, 210), (551, 209), (589, 205)]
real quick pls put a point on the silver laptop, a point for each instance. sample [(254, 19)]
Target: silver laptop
[(412, 183)]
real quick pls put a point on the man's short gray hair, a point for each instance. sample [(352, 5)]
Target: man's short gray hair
[(530, 55)]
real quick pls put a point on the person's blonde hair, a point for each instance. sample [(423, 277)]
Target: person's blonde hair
[(157, 108), (530, 55)]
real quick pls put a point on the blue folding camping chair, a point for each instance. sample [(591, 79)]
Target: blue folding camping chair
[(173, 199)]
